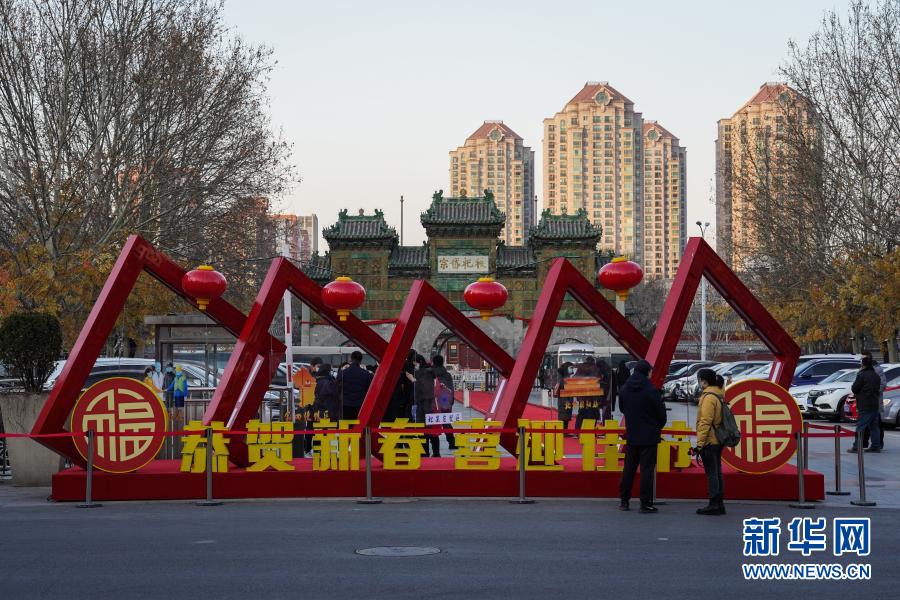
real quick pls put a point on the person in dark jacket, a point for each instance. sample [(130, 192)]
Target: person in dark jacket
[(353, 383), (563, 404), (867, 389), (424, 393), (605, 408), (442, 375), (402, 397), (619, 377), (168, 378), (645, 415), (326, 397)]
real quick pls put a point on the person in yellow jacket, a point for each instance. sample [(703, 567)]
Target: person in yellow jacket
[(709, 416)]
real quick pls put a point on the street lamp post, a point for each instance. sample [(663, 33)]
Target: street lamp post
[(703, 227)]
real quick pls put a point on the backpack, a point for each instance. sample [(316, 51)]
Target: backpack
[(727, 432), (443, 396)]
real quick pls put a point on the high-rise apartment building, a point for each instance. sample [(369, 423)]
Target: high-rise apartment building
[(594, 161), (299, 232), (665, 198), (750, 160), (495, 158), (308, 230), (286, 232)]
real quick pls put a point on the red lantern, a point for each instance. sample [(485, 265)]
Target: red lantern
[(620, 275), (485, 295), (205, 284), (343, 295)]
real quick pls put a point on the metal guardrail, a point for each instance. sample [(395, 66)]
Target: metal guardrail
[(5, 469), (195, 405)]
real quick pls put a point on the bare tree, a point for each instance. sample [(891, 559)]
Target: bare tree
[(823, 184), (132, 116)]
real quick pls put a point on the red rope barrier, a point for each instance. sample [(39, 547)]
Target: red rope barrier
[(432, 430)]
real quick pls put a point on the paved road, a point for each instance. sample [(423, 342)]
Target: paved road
[(489, 549)]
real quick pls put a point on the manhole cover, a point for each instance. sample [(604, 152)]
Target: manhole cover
[(401, 551)]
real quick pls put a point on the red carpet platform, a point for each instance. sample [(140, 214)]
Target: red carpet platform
[(161, 480)]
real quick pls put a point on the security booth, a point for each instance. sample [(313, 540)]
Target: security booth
[(193, 339)]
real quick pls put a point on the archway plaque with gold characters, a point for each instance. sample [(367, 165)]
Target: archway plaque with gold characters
[(762, 407), (128, 408)]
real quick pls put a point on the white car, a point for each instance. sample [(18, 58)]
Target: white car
[(800, 393), (827, 398)]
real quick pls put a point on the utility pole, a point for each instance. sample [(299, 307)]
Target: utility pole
[(288, 342), (401, 219), (703, 227)]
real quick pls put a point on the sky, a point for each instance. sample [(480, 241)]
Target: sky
[(373, 95)]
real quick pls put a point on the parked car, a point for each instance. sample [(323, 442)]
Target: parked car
[(729, 371), (813, 368), (890, 405), (800, 393), (8, 380), (679, 386), (134, 368), (760, 371), (827, 399), (687, 368)]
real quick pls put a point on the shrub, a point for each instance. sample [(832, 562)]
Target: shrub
[(29, 344)]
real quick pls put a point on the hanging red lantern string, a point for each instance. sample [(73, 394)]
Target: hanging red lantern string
[(205, 284), (485, 296), (620, 275), (343, 295)]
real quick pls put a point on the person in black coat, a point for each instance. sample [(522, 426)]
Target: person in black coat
[(424, 396), (326, 397), (619, 377), (401, 403), (867, 389), (645, 416), (442, 375), (353, 383)]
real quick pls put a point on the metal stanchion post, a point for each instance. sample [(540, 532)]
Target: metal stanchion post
[(89, 479), (805, 445), (837, 464), (653, 499), (369, 499), (522, 461), (209, 471), (801, 489), (860, 462)]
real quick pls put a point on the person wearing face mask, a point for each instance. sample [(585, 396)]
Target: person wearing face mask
[(157, 376), (709, 416), (180, 391), (168, 378)]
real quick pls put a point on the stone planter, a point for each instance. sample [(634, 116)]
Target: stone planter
[(32, 463)]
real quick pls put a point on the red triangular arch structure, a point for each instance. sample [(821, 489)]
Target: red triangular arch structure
[(137, 255), (424, 298), (563, 277), (700, 260), (256, 353), (234, 403)]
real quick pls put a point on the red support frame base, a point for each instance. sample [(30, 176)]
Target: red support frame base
[(161, 480)]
